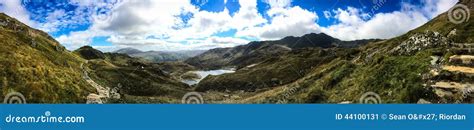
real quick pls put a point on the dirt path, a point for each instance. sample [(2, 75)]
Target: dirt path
[(459, 68), (94, 98), (453, 85)]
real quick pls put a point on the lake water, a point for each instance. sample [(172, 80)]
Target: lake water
[(204, 74)]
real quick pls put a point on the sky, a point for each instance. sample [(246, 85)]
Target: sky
[(172, 25)]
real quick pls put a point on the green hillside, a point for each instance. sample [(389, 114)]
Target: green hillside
[(35, 65)]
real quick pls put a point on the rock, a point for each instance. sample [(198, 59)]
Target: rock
[(452, 33), (235, 97), (442, 93), (94, 99), (434, 60), (345, 102), (3, 23), (434, 72), (423, 101), (419, 42), (462, 60), (114, 93)]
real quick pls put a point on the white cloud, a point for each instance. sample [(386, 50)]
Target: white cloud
[(229, 41), (152, 24), (133, 22), (55, 21), (353, 25), (76, 39), (205, 24), (190, 44), (146, 17), (15, 8), (293, 21), (247, 16), (278, 3), (382, 25), (435, 7)]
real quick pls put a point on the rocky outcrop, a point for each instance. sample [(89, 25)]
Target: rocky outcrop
[(453, 80), (419, 42), (104, 93)]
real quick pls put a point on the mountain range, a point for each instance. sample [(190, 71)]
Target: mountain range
[(254, 52), (160, 56)]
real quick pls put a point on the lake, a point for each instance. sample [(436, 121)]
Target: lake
[(204, 74)]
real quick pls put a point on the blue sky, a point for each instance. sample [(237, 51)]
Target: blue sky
[(170, 25)]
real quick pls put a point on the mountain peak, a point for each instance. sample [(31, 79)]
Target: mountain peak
[(320, 35), (87, 52), (308, 40)]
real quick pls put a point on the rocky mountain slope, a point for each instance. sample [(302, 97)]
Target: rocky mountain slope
[(37, 66)]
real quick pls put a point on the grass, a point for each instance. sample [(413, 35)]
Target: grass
[(41, 73)]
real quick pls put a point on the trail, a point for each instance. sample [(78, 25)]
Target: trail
[(103, 92), (460, 64)]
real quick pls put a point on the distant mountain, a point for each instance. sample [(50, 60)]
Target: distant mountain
[(128, 51), (254, 52), (160, 56)]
